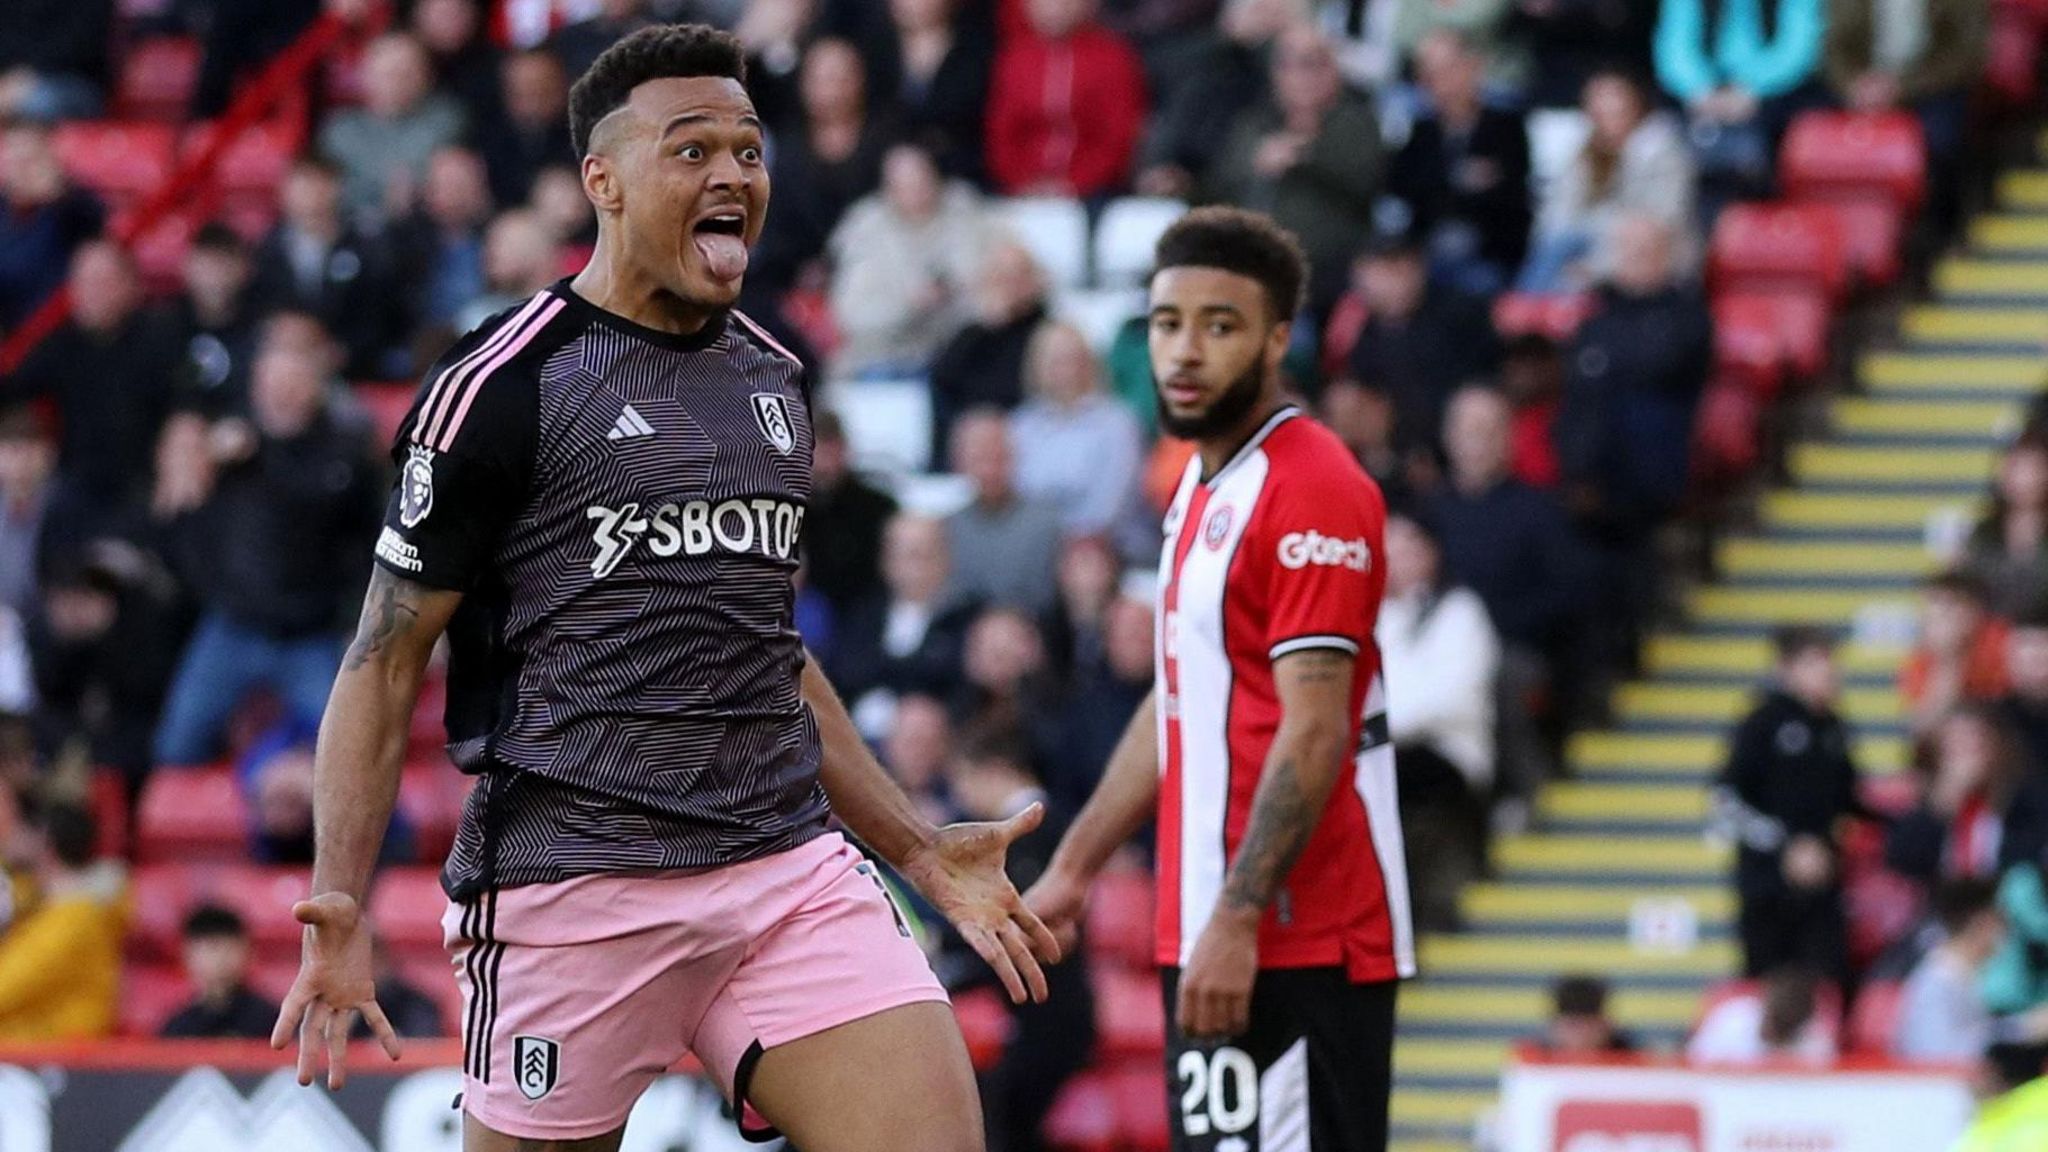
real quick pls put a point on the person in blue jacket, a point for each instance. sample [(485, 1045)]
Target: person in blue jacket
[(1743, 69)]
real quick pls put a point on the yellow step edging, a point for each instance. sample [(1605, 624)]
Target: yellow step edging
[(1854, 463), (1529, 1007), (2024, 188), (1967, 277), (1686, 753), (1507, 955), (1717, 703), (1610, 855), (1891, 511), (1889, 417), (1417, 1106), (1789, 605), (1895, 370), (1935, 324), (2008, 233), (1419, 1056), (1571, 800), (1492, 901), (1752, 656)]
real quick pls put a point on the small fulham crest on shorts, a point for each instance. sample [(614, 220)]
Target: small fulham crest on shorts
[(536, 1063)]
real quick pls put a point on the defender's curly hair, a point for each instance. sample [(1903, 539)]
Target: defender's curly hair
[(1236, 240), (649, 54)]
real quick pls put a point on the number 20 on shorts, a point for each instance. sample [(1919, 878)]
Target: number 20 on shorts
[(1219, 1091)]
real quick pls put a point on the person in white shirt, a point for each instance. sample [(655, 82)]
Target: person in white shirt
[(1077, 446), (1442, 657), (1942, 1015), (1781, 1020)]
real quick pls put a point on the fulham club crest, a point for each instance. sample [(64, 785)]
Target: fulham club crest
[(773, 417), (536, 1062), (416, 486)]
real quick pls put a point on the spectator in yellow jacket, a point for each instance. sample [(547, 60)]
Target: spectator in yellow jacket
[(60, 962)]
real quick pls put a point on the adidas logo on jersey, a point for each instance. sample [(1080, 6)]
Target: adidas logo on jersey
[(630, 425), (695, 528), (1301, 549)]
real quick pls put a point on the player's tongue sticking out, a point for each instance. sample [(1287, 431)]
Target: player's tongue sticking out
[(722, 246)]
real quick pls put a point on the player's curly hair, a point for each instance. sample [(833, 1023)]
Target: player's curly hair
[(1236, 240), (649, 54)]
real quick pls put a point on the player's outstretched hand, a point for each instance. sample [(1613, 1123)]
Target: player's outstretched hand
[(961, 873), (335, 982)]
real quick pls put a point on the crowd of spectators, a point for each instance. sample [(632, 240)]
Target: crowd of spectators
[(186, 481), (1916, 901)]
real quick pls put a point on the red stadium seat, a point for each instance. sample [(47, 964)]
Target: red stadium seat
[(344, 76), (160, 255), (250, 215), (1726, 440), (159, 896), (2013, 57), (271, 977), (387, 405), (436, 977), (121, 159), (985, 1023), (1120, 918), (1779, 248), (264, 896), (1083, 1116), (193, 815), (1872, 232), (1875, 1017), (1556, 315), (150, 995), (1803, 321), (1130, 1018), (107, 796), (406, 906), (158, 76), (428, 739), (1138, 1093), (1747, 346), (1855, 156), (1892, 795), (2033, 14), (255, 162), (1882, 907), (430, 794)]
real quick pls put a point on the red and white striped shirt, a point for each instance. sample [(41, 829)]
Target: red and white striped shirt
[(1278, 552)]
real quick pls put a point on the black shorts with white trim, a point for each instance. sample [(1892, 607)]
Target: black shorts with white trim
[(1313, 1070)]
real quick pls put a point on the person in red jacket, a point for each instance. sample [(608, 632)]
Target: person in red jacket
[(1066, 107)]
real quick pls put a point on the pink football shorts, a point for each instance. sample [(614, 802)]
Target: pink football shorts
[(578, 994)]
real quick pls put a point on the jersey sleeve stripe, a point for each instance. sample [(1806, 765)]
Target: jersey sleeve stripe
[(440, 398), (505, 354), (762, 335), (1306, 643)]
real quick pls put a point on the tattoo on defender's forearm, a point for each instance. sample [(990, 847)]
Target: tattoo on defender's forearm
[(389, 612), (1283, 815), (1280, 826)]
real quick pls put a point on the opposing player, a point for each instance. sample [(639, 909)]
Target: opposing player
[(601, 497), (1283, 908)]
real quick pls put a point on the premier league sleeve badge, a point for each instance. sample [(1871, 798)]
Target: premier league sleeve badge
[(416, 486)]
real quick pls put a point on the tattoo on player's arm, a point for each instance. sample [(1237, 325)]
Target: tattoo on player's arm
[(1320, 666), (1281, 821), (1287, 806), (389, 612)]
